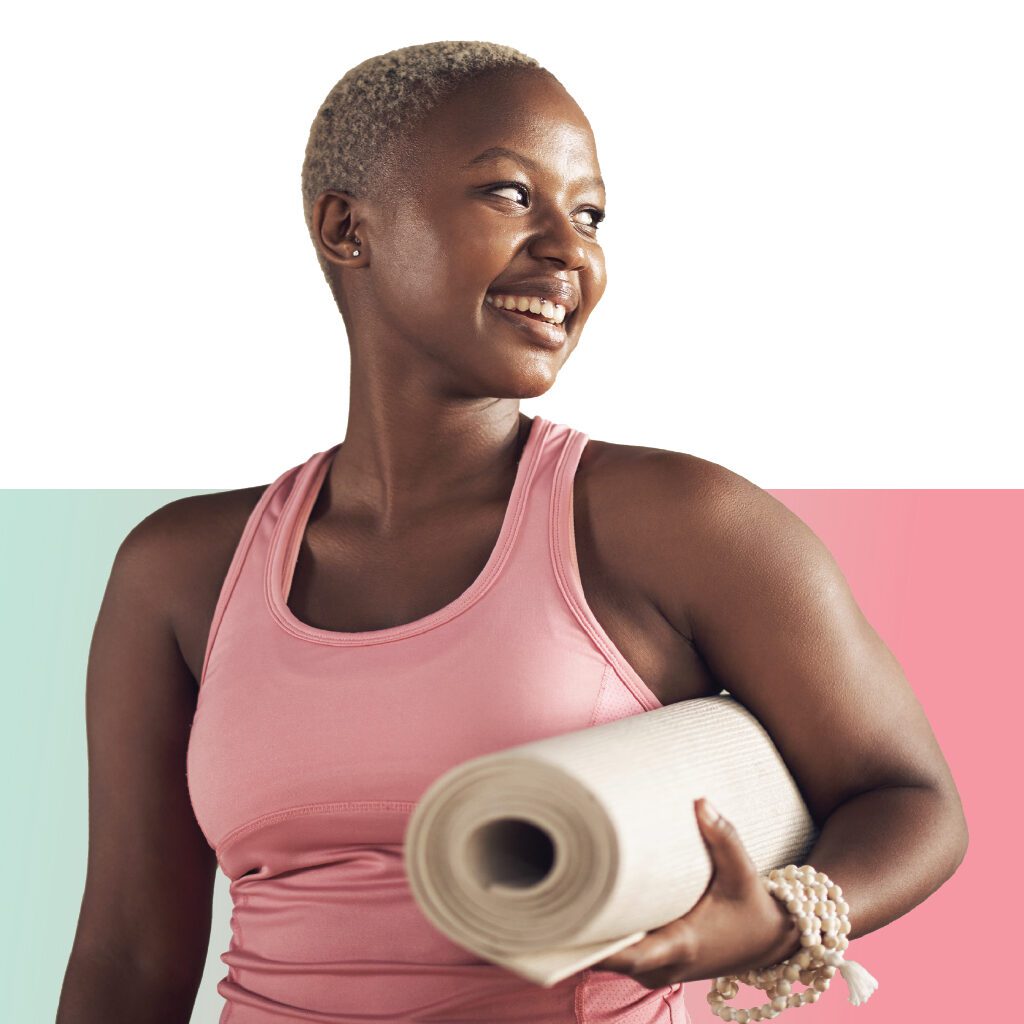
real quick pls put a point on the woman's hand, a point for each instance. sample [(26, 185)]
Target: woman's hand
[(737, 925)]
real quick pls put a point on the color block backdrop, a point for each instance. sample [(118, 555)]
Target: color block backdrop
[(938, 574), (822, 203)]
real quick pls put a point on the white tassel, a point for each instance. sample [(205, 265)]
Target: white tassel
[(860, 983), (825, 925)]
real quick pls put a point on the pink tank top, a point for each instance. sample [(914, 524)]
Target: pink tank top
[(310, 747)]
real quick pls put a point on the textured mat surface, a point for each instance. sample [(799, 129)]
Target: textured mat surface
[(549, 856)]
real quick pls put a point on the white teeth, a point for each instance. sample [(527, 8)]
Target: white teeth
[(551, 311)]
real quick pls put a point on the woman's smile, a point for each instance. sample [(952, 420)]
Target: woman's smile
[(532, 324)]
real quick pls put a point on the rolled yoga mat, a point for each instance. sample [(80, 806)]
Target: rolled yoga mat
[(547, 857)]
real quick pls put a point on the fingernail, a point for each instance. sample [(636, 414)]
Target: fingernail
[(709, 812)]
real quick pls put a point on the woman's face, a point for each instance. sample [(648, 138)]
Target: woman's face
[(467, 222)]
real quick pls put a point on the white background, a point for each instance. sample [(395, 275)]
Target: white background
[(820, 203)]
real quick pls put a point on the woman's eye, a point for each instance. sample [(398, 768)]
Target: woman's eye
[(596, 215), (508, 185)]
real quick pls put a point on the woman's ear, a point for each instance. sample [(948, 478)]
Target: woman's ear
[(334, 221)]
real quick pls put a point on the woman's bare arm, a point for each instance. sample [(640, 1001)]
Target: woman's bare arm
[(769, 611), (144, 924)]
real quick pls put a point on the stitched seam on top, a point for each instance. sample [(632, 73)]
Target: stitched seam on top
[(579, 1006), (556, 532), (455, 609), (316, 468), (595, 714), (232, 969), (243, 902), (275, 542), (235, 572), (401, 806)]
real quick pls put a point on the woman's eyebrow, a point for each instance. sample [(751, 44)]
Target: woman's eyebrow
[(494, 152)]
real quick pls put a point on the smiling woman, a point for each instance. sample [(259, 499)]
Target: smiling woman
[(278, 673), (406, 170)]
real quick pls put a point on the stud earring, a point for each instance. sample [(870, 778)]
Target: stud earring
[(355, 252)]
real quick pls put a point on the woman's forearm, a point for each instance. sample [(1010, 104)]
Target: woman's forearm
[(888, 850), (109, 990)]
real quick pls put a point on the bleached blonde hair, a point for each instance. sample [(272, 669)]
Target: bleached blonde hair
[(368, 114)]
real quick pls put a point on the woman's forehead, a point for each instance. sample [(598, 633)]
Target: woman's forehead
[(523, 112), (509, 122)]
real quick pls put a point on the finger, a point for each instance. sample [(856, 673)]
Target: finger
[(734, 870)]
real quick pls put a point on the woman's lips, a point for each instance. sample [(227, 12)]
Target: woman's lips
[(534, 325)]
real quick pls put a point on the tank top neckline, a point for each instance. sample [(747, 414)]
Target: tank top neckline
[(294, 517)]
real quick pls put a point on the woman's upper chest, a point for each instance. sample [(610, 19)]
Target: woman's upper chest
[(346, 580)]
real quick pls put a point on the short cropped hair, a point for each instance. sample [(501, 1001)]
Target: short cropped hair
[(371, 110)]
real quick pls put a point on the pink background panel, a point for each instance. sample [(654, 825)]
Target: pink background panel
[(938, 573)]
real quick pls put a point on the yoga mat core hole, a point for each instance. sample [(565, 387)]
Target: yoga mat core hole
[(510, 852)]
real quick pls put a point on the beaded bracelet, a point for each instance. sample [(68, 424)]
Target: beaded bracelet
[(823, 916)]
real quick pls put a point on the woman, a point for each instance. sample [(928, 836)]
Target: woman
[(451, 579)]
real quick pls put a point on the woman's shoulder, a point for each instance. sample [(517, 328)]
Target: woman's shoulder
[(663, 482), (670, 521), (185, 548), (188, 531)]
